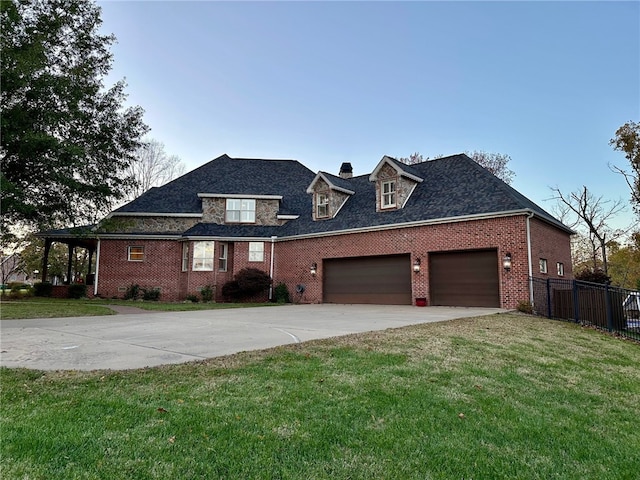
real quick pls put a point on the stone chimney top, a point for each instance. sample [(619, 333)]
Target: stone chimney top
[(346, 170)]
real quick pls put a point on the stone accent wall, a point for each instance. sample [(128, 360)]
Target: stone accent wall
[(336, 199), (214, 210), (157, 224), (404, 187)]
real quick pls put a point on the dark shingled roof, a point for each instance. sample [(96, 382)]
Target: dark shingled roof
[(453, 186)]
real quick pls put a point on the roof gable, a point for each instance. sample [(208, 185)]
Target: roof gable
[(400, 168), (334, 183)]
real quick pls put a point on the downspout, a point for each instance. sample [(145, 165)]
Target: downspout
[(529, 217), (95, 277), (273, 240)]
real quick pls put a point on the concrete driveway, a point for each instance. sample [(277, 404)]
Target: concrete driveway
[(138, 340)]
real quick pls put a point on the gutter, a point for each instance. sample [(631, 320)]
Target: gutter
[(529, 217)]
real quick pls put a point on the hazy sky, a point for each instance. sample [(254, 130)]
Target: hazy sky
[(329, 82)]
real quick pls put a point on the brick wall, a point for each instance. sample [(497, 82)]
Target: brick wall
[(293, 258)]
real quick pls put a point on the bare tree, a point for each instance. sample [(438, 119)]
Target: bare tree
[(595, 214), (153, 167), (496, 163)]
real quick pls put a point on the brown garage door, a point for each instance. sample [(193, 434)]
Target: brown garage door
[(464, 279), (377, 280)]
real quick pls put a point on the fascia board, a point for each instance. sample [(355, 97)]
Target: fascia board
[(240, 195), (154, 214)]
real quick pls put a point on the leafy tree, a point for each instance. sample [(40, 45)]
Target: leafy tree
[(66, 140), (624, 262), (496, 163), (627, 140), (152, 167), (593, 276)]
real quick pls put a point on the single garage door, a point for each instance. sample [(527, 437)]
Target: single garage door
[(464, 279), (376, 280)]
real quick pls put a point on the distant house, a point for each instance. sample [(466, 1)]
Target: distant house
[(442, 232)]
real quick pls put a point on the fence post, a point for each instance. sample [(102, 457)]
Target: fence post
[(576, 306), (548, 298), (607, 299)]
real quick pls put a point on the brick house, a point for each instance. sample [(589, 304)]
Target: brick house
[(441, 232)]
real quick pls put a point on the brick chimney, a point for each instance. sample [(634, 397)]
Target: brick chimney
[(346, 170)]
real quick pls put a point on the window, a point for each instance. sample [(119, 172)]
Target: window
[(223, 251), (560, 266), (543, 265), (322, 205), (241, 210), (256, 251), (185, 256), (135, 254), (389, 194), (202, 256)]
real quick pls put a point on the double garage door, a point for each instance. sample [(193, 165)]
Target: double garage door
[(466, 279)]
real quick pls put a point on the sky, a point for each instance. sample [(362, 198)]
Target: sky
[(547, 83)]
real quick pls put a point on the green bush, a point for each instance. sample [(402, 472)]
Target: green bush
[(133, 292), (77, 290), (281, 294), (152, 294), (193, 298), (42, 289), (231, 291), (525, 306), (206, 293)]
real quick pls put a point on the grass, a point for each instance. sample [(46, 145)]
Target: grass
[(38, 307), (498, 397)]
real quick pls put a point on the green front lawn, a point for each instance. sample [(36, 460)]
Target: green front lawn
[(39, 307), (498, 397)]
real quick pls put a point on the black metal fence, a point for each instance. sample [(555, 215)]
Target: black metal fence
[(601, 306)]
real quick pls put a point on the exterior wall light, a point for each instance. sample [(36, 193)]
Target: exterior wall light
[(506, 262), (416, 265), (314, 268)]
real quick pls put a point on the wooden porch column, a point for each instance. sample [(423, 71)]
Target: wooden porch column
[(45, 260), (71, 248)]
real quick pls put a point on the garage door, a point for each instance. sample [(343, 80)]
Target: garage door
[(377, 280), (464, 279)]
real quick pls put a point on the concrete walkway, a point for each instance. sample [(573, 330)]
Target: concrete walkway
[(136, 340)]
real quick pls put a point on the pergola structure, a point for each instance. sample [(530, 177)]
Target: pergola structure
[(76, 237)]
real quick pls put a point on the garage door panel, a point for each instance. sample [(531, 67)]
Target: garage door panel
[(372, 280), (465, 279)]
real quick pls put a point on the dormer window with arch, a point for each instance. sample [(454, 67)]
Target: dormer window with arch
[(388, 194)]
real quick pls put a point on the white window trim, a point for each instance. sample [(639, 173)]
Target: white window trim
[(129, 248), (544, 267), (325, 205), (223, 255), (185, 257), (256, 254), (560, 269), (392, 194), (201, 263), (250, 201)]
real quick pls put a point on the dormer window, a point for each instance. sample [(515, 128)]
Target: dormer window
[(241, 210), (322, 205), (389, 194)]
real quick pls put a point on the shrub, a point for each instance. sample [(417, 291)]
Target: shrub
[(193, 298), (133, 292), (231, 291), (281, 293), (593, 276), (77, 290), (206, 293), (42, 289), (252, 281), (151, 294), (524, 306)]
